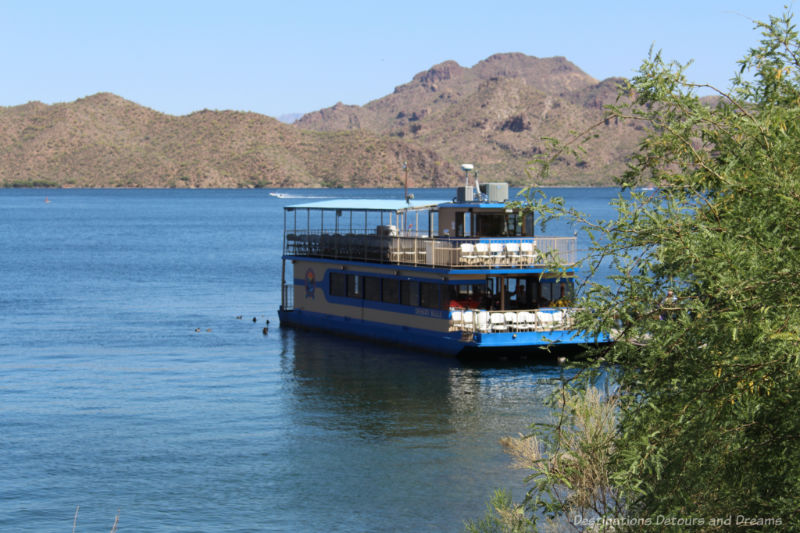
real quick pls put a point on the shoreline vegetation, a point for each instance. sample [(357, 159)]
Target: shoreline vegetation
[(31, 184), (691, 428)]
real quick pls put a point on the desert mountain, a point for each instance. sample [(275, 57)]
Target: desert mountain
[(497, 115), (106, 141)]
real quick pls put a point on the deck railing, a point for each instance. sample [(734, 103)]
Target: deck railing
[(287, 297), (437, 251), (482, 321)]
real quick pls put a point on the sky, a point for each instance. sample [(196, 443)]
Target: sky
[(295, 56)]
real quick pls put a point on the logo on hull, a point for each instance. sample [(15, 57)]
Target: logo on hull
[(310, 284)]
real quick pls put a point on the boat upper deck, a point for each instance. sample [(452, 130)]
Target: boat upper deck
[(453, 235)]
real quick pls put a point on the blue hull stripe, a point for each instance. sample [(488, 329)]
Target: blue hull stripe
[(448, 343)]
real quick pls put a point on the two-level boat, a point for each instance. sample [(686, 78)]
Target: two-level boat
[(454, 277)]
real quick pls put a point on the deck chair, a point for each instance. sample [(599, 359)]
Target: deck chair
[(545, 319), (496, 252), (467, 320), (467, 253), (533, 323), (511, 320), (522, 321), (527, 252), (482, 321), (482, 252), (512, 253), (498, 322), (456, 320)]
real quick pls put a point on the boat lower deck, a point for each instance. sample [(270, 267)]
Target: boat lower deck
[(450, 343)]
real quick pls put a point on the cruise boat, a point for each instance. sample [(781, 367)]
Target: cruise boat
[(464, 276)]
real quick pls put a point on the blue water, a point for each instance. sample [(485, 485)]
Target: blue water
[(112, 401)]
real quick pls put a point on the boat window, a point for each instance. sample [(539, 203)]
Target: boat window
[(518, 294), (534, 292), (503, 225), (566, 292), (465, 296), (391, 291), (409, 293), (518, 226), (463, 224), (489, 224), (354, 289), (429, 295), (545, 292), (372, 288), (556, 292), (338, 284), (512, 228)]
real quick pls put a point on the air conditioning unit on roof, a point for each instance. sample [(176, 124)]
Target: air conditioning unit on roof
[(497, 192)]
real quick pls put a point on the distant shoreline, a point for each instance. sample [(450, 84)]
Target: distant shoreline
[(111, 188)]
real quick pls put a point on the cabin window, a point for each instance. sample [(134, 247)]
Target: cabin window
[(556, 292), (519, 225), (545, 293), (372, 289), (463, 228), (515, 225), (511, 225), (503, 225), (518, 293), (354, 289), (429, 295), (533, 292), (391, 291), (466, 296), (489, 224), (338, 284), (409, 293)]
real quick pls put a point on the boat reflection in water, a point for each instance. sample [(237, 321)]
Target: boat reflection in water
[(389, 391), (406, 436)]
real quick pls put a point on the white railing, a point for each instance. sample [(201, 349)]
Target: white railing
[(439, 252), (482, 321)]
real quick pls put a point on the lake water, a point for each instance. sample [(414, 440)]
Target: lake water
[(112, 401)]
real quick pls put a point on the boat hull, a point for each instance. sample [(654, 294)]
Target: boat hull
[(451, 343)]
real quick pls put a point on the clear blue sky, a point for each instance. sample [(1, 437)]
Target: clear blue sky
[(298, 56)]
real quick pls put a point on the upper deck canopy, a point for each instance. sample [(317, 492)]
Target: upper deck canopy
[(441, 233), (361, 204)]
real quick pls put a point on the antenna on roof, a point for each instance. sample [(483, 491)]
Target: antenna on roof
[(466, 167), (405, 191)]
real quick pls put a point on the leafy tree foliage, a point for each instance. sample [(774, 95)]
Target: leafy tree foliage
[(707, 377)]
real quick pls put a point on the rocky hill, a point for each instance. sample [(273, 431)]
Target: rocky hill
[(106, 141), (496, 115)]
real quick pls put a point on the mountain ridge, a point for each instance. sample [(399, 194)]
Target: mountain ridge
[(496, 114), (103, 140)]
